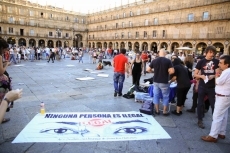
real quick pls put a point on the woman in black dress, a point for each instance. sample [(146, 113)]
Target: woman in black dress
[(137, 67)]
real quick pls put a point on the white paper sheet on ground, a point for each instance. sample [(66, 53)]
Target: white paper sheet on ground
[(103, 75), (41, 64), (20, 65), (70, 65), (85, 78), (91, 127), (99, 71), (88, 70)]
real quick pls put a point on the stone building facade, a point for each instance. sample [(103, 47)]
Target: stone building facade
[(155, 24), (31, 24), (143, 25)]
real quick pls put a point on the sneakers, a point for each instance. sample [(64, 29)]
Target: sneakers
[(157, 113), (191, 110), (200, 124), (115, 94), (119, 94), (209, 139)]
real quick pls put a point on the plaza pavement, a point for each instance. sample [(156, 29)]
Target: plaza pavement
[(55, 85)]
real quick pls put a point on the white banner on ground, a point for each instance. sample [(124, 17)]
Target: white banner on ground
[(85, 78), (93, 126)]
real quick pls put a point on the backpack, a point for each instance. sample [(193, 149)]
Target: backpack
[(147, 107)]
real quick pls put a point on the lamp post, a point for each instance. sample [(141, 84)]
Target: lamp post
[(58, 31)]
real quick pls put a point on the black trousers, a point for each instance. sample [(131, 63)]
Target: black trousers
[(181, 96), (51, 57), (136, 78), (202, 92), (194, 101)]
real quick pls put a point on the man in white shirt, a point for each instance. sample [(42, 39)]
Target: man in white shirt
[(222, 104)]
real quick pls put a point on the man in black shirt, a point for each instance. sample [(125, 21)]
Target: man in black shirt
[(205, 70), (162, 69)]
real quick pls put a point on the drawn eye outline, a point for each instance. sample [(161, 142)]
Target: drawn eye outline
[(131, 130), (65, 130)]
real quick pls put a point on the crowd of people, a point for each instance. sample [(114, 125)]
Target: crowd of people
[(211, 79), (210, 76)]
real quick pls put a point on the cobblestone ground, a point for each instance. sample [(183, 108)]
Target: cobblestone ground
[(55, 85)]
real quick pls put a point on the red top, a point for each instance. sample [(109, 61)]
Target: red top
[(144, 57), (119, 63)]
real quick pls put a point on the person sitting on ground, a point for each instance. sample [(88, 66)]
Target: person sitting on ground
[(9, 97), (99, 65)]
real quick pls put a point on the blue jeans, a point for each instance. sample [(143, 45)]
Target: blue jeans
[(118, 79), (12, 57), (158, 89), (32, 57)]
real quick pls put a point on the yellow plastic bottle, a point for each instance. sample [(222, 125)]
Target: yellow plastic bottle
[(42, 110)]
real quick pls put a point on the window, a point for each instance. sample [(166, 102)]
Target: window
[(130, 24), (51, 16), (42, 14), (9, 9), (123, 24), (122, 35), (116, 25), (67, 18), (131, 13), (190, 17), (138, 12), (137, 34), (145, 34), (123, 15), (67, 35), (147, 11), (116, 35), (11, 20), (21, 11), (146, 22), (117, 16), (163, 33), (21, 21), (155, 21), (11, 30), (154, 33), (76, 20), (58, 34), (129, 35), (32, 22), (83, 21), (205, 15), (31, 13), (31, 32), (50, 34)]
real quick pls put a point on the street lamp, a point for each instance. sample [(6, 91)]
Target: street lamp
[(58, 31)]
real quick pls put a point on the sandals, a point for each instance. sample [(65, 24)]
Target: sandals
[(5, 120)]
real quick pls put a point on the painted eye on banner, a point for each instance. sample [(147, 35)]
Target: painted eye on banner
[(60, 131), (130, 130)]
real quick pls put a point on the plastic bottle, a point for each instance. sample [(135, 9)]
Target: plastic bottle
[(42, 110)]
